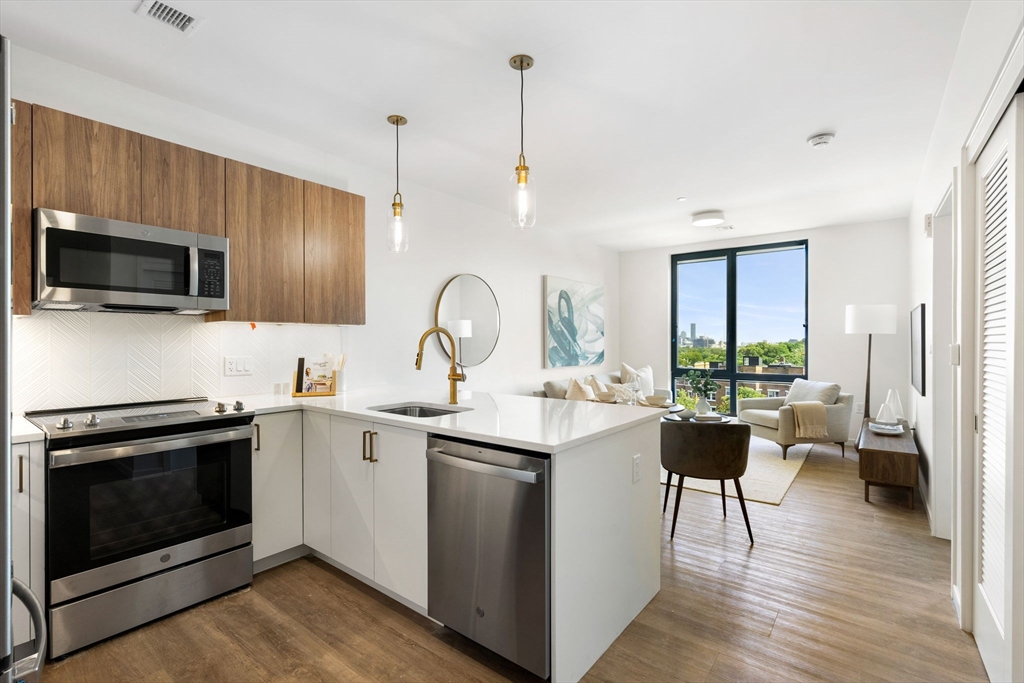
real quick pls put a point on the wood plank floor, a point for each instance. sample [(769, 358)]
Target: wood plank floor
[(835, 589)]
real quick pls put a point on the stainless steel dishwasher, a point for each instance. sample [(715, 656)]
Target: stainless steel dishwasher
[(489, 548)]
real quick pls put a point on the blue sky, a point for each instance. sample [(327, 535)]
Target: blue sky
[(769, 296)]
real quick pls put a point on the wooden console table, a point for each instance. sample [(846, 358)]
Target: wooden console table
[(888, 460)]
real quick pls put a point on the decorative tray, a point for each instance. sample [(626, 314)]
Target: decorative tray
[(888, 430)]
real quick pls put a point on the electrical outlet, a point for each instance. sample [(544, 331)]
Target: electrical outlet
[(859, 409), (237, 366), (636, 468)]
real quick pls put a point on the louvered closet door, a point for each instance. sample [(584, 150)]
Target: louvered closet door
[(998, 491)]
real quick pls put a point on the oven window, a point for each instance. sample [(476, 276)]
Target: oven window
[(112, 510), (89, 261), (162, 495)]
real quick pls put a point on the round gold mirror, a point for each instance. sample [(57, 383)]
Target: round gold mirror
[(468, 309)]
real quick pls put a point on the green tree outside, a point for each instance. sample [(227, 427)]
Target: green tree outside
[(743, 392), (769, 353)]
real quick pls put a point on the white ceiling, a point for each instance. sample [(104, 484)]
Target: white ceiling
[(629, 105)]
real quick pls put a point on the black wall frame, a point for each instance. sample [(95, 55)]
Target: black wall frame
[(730, 374)]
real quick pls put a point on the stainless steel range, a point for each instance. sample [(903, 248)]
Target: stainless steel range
[(148, 511)]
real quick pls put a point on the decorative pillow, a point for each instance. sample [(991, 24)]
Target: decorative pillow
[(812, 391), (622, 394), (644, 377), (556, 389), (594, 383), (578, 391)]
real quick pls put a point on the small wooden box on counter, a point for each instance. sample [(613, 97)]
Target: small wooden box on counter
[(888, 460)]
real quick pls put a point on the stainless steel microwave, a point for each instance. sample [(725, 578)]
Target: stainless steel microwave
[(84, 263)]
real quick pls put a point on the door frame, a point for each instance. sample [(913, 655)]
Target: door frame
[(1004, 87)]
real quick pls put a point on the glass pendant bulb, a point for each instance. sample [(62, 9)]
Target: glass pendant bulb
[(398, 235), (522, 197), (398, 229)]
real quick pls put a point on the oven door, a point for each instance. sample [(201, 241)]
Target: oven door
[(114, 265), (119, 512)]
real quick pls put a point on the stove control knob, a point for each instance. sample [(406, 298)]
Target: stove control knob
[(91, 420), (221, 408), (239, 406), (64, 423)]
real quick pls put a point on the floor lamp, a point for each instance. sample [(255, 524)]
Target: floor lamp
[(870, 319)]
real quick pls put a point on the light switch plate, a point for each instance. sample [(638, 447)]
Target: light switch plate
[(237, 366), (636, 468)]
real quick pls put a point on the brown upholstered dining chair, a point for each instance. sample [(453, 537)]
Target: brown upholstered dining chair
[(705, 451)]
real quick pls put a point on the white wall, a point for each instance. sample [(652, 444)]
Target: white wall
[(849, 264), (986, 38), (449, 236)]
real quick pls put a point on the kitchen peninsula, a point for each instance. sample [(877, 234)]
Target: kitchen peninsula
[(363, 492)]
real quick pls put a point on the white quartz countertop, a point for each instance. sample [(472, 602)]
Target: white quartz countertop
[(538, 424), (23, 431)]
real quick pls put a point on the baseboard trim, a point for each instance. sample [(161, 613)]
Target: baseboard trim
[(371, 583), (280, 558)]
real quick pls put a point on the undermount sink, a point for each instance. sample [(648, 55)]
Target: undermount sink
[(418, 410)]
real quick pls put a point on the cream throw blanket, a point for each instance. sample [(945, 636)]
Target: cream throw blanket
[(811, 419)]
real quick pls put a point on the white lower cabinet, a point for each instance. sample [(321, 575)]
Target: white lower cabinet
[(400, 512), (21, 532), (277, 483), (27, 531), (352, 495), (378, 502), (316, 481)]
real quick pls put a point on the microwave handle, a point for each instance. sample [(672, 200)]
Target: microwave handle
[(193, 271)]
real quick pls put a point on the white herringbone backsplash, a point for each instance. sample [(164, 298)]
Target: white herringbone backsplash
[(63, 359)]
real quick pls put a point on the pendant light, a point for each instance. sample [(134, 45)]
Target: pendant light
[(522, 191), (398, 231)]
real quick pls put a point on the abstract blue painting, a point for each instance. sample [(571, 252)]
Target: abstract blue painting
[(575, 323)]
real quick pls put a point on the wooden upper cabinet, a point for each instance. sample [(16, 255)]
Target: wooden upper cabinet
[(335, 260), (182, 188), (264, 225), (84, 166), (21, 205)]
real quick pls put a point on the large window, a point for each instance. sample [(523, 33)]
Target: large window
[(742, 315)]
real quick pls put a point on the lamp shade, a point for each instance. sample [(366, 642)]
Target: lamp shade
[(460, 328), (870, 319)]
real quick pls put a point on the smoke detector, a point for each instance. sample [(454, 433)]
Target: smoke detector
[(169, 16), (708, 219), (820, 139)]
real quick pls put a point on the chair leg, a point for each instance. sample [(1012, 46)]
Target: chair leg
[(722, 482), (675, 512), (842, 444), (743, 506), (668, 490), (785, 449)]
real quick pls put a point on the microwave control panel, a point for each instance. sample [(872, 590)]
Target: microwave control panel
[(211, 274)]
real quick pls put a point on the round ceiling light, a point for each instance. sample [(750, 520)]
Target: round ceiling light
[(820, 139), (708, 219)]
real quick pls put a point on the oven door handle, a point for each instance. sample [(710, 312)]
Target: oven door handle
[(127, 449)]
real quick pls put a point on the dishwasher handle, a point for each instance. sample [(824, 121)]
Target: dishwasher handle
[(525, 476)]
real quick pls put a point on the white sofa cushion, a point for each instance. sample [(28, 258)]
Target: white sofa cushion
[(765, 418), (594, 383), (812, 391)]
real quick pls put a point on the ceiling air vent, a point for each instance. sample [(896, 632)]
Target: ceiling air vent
[(167, 15)]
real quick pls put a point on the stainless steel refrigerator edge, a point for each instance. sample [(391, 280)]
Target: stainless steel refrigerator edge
[(489, 548), (29, 668)]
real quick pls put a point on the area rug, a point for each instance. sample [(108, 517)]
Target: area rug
[(768, 476)]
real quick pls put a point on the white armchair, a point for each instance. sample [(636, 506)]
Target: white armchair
[(772, 418)]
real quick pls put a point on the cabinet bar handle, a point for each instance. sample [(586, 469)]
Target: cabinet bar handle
[(21, 474), (372, 434), (365, 434), (258, 439)]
